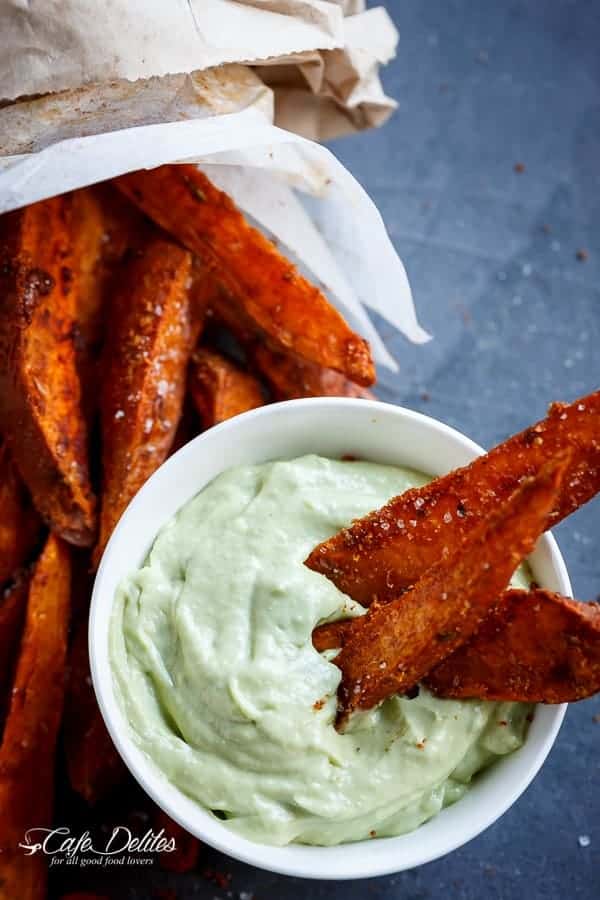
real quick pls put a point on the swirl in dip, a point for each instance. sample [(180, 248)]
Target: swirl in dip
[(216, 673)]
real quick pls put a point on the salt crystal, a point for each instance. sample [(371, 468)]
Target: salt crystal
[(120, 414), (447, 518), (148, 426), (162, 387), (584, 840), (419, 502)]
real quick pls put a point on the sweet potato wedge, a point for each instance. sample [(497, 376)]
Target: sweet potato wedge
[(40, 393), (93, 764), (28, 744), (13, 604), (403, 639), (290, 310), (19, 522), (185, 856), (145, 363), (291, 377), (288, 375), (220, 389), (105, 227), (534, 647), (389, 549)]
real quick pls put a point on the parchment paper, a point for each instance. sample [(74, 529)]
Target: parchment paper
[(320, 56)]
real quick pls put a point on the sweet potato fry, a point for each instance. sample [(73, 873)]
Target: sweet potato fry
[(290, 310), (403, 639), (290, 377), (534, 647), (40, 409), (19, 523), (153, 327), (105, 227), (185, 856), (12, 615), (389, 549), (28, 744), (145, 362), (220, 389), (93, 764)]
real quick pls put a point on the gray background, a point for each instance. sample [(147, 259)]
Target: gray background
[(491, 255)]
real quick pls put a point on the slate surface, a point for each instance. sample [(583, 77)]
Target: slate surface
[(491, 254)]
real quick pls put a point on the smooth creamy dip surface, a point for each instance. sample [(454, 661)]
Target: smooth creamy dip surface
[(214, 667)]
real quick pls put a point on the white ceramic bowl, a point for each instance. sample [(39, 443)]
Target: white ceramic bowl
[(331, 427)]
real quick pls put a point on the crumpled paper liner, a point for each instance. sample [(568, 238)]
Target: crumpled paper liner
[(321, 57)]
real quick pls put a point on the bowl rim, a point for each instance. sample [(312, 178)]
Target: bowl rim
[(294, 859)]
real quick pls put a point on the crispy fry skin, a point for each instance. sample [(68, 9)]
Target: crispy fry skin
[(535, 647), (291, 377), (93, 764), (290, 310), (19, 523), (40, 409), (402, 640), (145, 361), (28, 745), (220, 389), (105, 226), (13, 604), (187, 848), (389, 549)]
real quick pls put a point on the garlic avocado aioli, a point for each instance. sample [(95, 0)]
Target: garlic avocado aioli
[(215, 669)]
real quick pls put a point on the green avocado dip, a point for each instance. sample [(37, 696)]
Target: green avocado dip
[(216, 673)]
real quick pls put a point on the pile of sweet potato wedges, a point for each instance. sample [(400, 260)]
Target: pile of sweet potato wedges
[(115, 304)]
